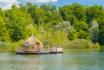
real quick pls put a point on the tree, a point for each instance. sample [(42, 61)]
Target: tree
[(83, 34), (2, 12), (17, 23), (79, 11), (4, 33), (39, 16), (74, 10), (49, 7), (82, 29), (101, 31), (72, 34), (94, 30), (81, 25), (94, 12), (65, 12)]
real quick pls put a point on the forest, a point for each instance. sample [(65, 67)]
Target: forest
[(71, 26)]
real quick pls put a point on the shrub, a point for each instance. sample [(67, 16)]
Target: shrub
[(82, 44)]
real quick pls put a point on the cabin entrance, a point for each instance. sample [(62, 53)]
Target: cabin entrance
[(38, 47)]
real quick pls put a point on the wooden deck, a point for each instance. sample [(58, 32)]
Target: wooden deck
[(36, 53), (53, 50)]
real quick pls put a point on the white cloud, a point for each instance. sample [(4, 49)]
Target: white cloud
[(43, 1), (5, 4), (8, 1)]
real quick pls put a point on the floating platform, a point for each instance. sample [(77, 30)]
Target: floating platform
[(36, 53)]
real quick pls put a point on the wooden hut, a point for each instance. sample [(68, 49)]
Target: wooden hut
[(32, 44)]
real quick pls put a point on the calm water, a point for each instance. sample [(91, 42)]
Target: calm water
[(71, 60)]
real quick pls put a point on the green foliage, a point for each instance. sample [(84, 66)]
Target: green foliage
[(17, 23), (51, 37), (94, 30), (72, 35), (94, 12), (4, 33), (10, 47), (73, 12), (83, 34), (101, 31), (39, 16), (82, 29), (82, 44), (79, 11), (81, 25), (68, 25)]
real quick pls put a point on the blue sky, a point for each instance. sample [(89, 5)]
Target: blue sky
[(7, 3), (83, 2)]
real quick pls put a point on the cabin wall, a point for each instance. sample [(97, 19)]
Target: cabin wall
[(33, 48)]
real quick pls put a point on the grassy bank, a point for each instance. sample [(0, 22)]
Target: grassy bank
[(10, 47), (75, 44), (82, 44)]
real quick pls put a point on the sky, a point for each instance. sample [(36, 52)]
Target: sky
[(8, 3)]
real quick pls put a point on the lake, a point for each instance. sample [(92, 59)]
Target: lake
[(70, 60)]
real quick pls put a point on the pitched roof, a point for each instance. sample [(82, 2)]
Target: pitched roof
[(31, 40)]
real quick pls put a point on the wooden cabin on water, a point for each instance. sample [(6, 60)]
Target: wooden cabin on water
[(34, 46)]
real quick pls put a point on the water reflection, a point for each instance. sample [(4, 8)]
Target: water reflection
[(72, 60)]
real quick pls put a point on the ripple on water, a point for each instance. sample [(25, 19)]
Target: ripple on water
[(92, 60)]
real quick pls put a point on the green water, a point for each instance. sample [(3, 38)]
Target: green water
[(70, 60)]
